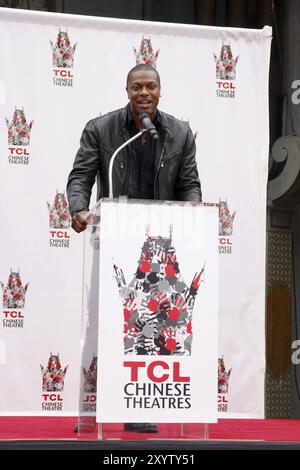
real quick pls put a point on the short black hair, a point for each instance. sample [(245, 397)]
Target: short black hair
[(144, 66)]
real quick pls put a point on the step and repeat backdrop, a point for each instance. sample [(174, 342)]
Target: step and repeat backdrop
[(58, 71)]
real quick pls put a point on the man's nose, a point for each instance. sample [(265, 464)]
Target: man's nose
[(144, 91)]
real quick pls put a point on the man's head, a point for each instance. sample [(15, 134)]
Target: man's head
[(143, 90)]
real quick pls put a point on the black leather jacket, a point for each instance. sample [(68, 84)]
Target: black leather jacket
[(176, 174)]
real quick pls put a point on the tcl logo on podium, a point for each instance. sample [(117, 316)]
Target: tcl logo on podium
[(157, 371), (156, 384)]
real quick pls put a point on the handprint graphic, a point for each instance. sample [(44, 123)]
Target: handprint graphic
[(157, 304)]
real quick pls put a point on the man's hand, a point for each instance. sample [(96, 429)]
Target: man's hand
[(80, 221)]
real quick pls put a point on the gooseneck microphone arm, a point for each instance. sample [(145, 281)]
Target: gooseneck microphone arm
[(148, 127), (111, 163), (110, 168)]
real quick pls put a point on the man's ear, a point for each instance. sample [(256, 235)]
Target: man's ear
[(127, 92)]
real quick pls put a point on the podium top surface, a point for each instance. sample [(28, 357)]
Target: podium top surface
[(122, 201)]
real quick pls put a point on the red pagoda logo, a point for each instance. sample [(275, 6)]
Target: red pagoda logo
[(18, 129), (59, 216), (225, 72), (145, 53), (59, 222), (90, 376), (223, 376), (225, 219), (223, 385), (14, 292), (53, 376), (62, 51), (158, 304), (225, 63)]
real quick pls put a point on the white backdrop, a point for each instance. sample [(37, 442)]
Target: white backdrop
[(232, 155)]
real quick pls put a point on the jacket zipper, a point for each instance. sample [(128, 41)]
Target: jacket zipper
[(130, 174), (129, 164), (160, 163)]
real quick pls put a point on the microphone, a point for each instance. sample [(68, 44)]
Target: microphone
[(148, 124)]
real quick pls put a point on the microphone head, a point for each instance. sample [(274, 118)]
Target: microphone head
[(143, 116), (148, 124)]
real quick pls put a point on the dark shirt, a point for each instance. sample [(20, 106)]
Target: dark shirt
[(143, 152)]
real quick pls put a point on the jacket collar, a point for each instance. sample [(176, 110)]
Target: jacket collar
[(130, 121), (160, 117)]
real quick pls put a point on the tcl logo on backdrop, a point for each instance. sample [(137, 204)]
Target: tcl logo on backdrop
[(59, 222), (18, 138), (53, 382), (13, 296), (63, 60), (226, 219), (225, 72)]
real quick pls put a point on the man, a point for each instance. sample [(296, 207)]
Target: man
[(162, 169)]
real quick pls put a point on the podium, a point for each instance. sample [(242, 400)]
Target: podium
[(150, 319)]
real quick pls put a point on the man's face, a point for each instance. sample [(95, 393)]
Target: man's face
[(143, 91)]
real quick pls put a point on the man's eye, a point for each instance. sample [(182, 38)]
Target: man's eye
[(136, 87)]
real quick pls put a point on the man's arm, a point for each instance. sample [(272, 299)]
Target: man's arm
[(187, 185), (82, 177)]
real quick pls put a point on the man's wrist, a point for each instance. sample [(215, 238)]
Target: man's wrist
[(77, 212)]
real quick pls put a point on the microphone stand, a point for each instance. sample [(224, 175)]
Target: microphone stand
[(111, 164)]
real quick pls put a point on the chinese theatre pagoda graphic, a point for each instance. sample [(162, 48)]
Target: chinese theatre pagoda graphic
[(225, 219), (59, 216), (90, 376), (145, 53), (18, 129), (14, 292), (62, 51), (53, 376), (223, 376), (225, 64)]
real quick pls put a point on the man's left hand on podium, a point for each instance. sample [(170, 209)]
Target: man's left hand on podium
[(81, 220)]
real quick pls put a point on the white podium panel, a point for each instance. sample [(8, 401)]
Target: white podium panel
[(158, 312)]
